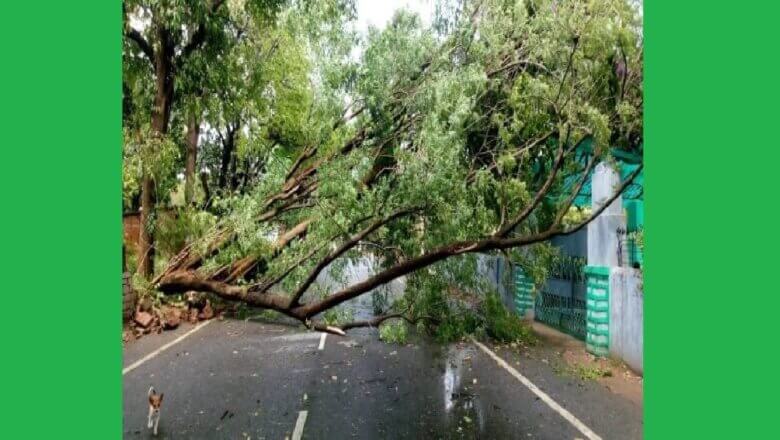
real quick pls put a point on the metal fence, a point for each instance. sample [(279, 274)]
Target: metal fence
[(560, 302), (565, 313), (629, 252)]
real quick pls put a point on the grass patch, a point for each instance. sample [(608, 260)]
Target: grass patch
[(584, 372)]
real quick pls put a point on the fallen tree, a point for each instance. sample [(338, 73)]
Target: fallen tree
[(457, 142)]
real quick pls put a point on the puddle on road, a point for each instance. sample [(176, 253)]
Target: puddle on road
[(463, 409)]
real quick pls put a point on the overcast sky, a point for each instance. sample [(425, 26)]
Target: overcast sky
[(378, 12)]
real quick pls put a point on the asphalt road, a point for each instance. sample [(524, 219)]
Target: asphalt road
[(251, 380)]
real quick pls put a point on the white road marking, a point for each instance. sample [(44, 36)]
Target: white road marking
[(292, 337), (542, 395), (322, 341), (298, 432), (137, 363)]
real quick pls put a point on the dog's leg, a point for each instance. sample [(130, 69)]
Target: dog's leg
[(156, 422), (151, 411)]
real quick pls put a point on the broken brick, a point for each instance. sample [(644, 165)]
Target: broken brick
[(143, 319)]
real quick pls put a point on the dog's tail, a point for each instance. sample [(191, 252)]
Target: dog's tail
[(151, 391)]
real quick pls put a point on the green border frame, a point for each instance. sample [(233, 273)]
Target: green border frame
[(61, 219), (711, 297), (711, 87)]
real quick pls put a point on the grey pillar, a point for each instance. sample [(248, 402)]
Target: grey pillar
[(603, 239)]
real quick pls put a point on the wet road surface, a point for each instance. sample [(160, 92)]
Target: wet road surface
[(243, 379)]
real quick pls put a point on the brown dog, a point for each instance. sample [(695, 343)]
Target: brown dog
[(155, 402)]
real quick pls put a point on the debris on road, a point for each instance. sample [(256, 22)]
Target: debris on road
[(171, 317), (128, 335), (349, 344), (143, 319), (207, 312)]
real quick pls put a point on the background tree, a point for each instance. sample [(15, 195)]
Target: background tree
[(171, 44)]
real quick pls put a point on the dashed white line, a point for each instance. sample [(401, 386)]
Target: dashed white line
[(138, 363), (298, 432), (322, 341), (542, 395)]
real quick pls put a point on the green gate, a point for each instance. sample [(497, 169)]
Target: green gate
[(564, 313), (561, 310)]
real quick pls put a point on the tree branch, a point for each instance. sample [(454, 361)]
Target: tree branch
[(198, 37), (144, 45), (354, 240), (265, 286), (457, 248), (183, 281), (179, 282), (575, 191), (537, 199)]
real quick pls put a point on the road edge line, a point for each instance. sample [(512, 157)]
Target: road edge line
[(139, 362), (587, 432)]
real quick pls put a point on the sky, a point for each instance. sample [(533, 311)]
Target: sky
[(375, 13), (378, 13)]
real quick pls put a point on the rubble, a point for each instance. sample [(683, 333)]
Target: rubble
[(171, 317), (144, 319), (149, 318)]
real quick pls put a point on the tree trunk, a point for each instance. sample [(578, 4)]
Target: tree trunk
[(227, 155), (145, 237), (193, 132), (160, 117), (234, 171), (204, 182)]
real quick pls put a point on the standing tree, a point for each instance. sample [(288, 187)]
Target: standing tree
[(169, 45)]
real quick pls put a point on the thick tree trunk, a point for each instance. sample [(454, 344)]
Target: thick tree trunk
[(160, 117), (204, 182), (193, 132), (234, 172)]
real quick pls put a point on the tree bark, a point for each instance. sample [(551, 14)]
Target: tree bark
[(227, 155), (161, 114), (193, 132), (204, 182), (234, 170)]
